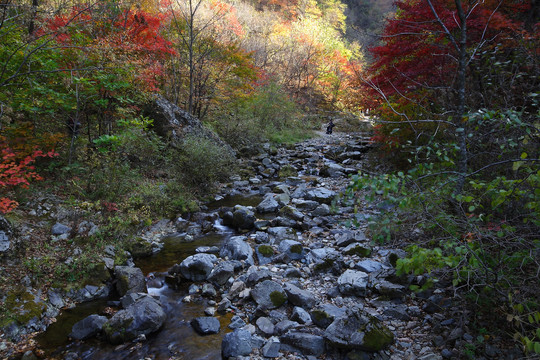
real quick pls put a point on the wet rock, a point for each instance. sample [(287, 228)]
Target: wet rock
[(129, 280), (60, 229), (87, 327), (143, 317), (293, 249), (221, 273), (243, 219), (324, 315), (236, 248), (55, 298), (205, 325), (268, 205), (140, 248), (355, 330), (353, 282), (299, 297), (236, 343), (265, 325), (308, 344), (197, 267), (269, 294), (208, 291)]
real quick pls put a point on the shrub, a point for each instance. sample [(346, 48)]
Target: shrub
[(202, 163)]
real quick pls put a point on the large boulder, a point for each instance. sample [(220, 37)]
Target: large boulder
[(309, 344), (173, 123), (357, 331), (243, 218), (88, 327), (269, 204), (143, 317), (299, 297), (129, 280), (197, 267), (236, 248), (221, 273), (206, 325), (321, 195), (269, 294)]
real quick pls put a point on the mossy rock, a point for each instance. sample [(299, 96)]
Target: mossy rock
[(98, 274), (359, 250), (140, 248), (277, 298), (296, 249), (22, 306), (377, 337), (287, 171), (266, 250)]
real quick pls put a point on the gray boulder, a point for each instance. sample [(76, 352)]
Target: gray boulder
[(129, 280), (265, 325), (221, 273), (236, 343), (291, 213), (236, 248), (143, 317), (324, 315), (357, 331), (87, 327), (197, 267), (308, 344), (321, 195), (243, 218), (353, 282), (269, 204), (299, 297), (368, 266), (206, 325), (60, 229), (280, 233), (269, 294), (271, 348), (300, 315), (293, 249)]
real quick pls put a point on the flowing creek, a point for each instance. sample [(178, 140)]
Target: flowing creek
[(177, 338)]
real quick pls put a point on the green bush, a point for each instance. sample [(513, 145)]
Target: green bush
[(202, 162)]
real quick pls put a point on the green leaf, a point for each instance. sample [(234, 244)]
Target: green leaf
[(537, 347), (523, 155)]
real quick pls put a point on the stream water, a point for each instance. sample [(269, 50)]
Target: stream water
[(176, 340)]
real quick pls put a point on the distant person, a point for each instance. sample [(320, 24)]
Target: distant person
[(330, 127)]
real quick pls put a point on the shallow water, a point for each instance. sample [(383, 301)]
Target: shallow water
[(176, 340)]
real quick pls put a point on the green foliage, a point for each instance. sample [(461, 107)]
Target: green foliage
[(202, 163), (265, 114), (526, 320)]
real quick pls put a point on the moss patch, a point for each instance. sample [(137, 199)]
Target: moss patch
[(277, 298), (266, 250), (377, 337), (359, 250), (21, 306), (296, 248)]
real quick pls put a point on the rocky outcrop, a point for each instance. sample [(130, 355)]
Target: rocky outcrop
[(142, 316)]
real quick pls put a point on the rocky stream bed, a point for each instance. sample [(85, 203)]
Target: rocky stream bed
[(270, 269)]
